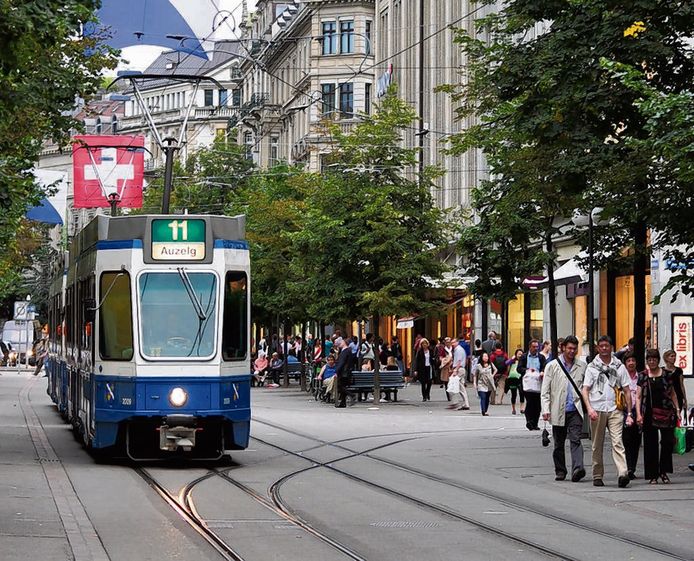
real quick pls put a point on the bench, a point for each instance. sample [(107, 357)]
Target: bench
[(390, 380)]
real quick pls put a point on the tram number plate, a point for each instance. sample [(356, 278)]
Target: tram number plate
[(178, 240)]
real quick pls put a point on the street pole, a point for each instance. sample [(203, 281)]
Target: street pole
[(591, 289), (169, 151)]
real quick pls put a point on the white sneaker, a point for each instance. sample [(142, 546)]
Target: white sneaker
[(383, 400)]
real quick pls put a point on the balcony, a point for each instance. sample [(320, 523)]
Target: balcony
[(224, 112)]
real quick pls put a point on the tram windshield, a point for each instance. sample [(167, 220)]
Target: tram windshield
[(178, 314)]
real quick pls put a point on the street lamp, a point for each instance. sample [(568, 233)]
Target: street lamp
[(582, 221)]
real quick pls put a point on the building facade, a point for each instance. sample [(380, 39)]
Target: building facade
[(308, 62)]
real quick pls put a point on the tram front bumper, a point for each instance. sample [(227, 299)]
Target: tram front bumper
[(177, 432)]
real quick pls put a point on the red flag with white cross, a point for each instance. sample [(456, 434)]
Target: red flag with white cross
[(107, 167)]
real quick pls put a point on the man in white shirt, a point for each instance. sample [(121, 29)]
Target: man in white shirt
[(460, 400), (602, 376)]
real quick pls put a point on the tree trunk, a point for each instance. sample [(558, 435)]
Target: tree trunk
[(641, 257), (377, 361), (552, 293)]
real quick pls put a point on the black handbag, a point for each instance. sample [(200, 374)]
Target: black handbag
[(585, 432)]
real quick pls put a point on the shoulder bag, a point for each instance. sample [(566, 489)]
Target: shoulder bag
[(585, 433), (661, 418)]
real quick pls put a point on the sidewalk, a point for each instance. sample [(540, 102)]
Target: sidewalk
[(40, 514)]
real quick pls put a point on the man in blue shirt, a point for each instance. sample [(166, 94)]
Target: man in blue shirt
[(561, 406)]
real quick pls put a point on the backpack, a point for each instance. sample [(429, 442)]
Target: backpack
[(500, 364)]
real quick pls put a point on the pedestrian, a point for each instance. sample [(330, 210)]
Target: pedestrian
[(656, 412), (546, 350), (513, 380), (445, 362), (383, 352), (631, 435), (500, 361), (343, 371), (531, 367), (276, 364), (328, 346), (489, 344), (396, 351), (260, 367), (40, 351), (677, 378), (424, 361), (459, 400), (483, 380), (605, 382), (366, 351), (354, 346), (561, 406)]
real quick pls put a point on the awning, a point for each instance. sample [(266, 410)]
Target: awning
[(568, 273)]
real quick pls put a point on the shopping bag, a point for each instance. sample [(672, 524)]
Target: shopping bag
[(453, 384), (680, 440)]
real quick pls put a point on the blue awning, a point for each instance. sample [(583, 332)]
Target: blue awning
[(44, 212)]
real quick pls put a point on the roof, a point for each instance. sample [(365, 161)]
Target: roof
[(186, 64)]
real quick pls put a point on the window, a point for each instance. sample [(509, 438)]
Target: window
[(209, 98), (367, 33), (346, 100), (235, 330), (329, 38), (328, 98), (346, 37), (223, 98), (274, 150), (236, 98), (115, 318), (178, 315), (248, 143), (367, 99)]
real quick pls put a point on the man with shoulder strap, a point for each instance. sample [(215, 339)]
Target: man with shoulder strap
[(561, 406)]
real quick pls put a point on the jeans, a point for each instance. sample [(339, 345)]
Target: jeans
[(484, 400), (572, 428)]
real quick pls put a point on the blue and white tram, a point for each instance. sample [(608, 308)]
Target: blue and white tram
[(150, 321)]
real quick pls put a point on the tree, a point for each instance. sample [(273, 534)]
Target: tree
[(372, 233), (549, 93), (45, 64)]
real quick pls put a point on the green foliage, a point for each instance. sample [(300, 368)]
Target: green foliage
[(209, 181), (44, 66), (372, 234), (559, 130)]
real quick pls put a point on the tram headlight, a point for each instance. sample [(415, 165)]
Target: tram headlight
[(178, 397)]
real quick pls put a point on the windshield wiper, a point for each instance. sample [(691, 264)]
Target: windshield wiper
[(191, 293)]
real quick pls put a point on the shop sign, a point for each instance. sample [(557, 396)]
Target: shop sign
[(682, 342)]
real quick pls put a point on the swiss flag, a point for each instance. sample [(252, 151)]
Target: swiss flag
[(105, 166)]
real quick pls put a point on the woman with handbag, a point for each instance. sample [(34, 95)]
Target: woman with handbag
[(656, 412), (424, 368)]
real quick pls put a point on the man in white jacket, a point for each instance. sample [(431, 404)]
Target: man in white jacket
[(561, 406), (603, 375)]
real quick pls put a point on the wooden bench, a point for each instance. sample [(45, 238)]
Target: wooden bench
[(390, 380)]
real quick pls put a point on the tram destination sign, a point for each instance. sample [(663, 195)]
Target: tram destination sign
[(178, 239)]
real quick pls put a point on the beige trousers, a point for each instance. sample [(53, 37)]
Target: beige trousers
[(614, 423)]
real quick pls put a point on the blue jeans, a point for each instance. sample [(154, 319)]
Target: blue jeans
[(484, 400)]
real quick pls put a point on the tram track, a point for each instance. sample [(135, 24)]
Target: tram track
[(497, 497), (184, 505)]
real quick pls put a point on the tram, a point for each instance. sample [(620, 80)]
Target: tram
[(149, 321)]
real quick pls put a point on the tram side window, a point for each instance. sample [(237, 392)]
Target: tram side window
[(115, 319), (235, 329)]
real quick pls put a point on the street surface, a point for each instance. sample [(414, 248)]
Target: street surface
[(396, 481)]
